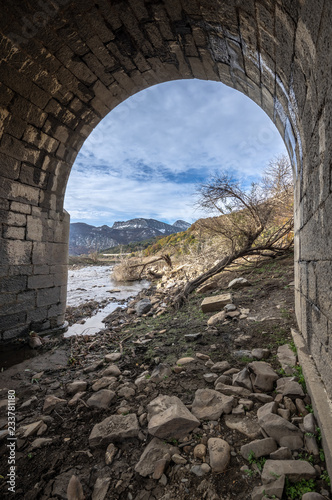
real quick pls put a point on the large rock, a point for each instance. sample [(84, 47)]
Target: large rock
[(267, 409), (264, 376), (238, 283), (216, 303), (285, 433), (247, 426), (272, 490), (114, 428), (291, 389), (156, 450), (210, 405), (294, 470), (169, 418), (220, 453), (260, 448), (231, 390), (143, 307)]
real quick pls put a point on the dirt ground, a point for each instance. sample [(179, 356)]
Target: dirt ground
[(43, 473)]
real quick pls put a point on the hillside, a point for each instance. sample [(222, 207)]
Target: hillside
[(84, 238)]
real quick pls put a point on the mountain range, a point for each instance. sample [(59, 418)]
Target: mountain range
[(84, 238)]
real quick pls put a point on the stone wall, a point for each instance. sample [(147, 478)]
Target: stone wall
[(66, 64)]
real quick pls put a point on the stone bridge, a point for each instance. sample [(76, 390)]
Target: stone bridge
[(65, 64)]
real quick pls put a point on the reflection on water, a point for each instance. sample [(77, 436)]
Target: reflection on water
[(94, 283)]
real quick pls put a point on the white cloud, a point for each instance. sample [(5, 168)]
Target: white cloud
[(145, 157)]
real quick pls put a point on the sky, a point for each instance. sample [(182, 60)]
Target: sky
[(148, 156)]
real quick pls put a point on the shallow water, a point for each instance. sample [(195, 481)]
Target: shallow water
[(94, 283)]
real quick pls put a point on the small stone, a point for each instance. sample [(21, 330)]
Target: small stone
[(52, 402), (247, 426), (301, 407), (216, 303), (260, 448), (223, 379), (169, 418), (313, 495), (238, 283), (210, 405), (262, 398), (219, 452), (311, 445), (156, 451), (185, 361), (101, 399), (114, 356), (101, 488), (77, 386), (126, 392), (284, 413), (203, 357), (220, 367), (40, 443), (94, 366), (29, 430), (112, 370), (238, 410), (177, 459), (76, 398), (265, 376), (285, 433), (272, 490), (260, 353), (114, 428), (230, 390), (192, 337), (200, 451), (289, 405), (160, 372), (200, 470), (291, 389), (163, 480), (111, 451), (242, 379), (217, 318), (286, 357), (309, 424), (247, 404), (267, 409), (74, 489), (103, 382), (143, 307), (210, 377)]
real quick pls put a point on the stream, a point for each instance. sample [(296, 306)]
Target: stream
[(94, 283)]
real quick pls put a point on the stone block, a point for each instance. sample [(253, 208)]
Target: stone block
[(41, 281), (216, 303), (14, 233), (48, 296), (15, 252)]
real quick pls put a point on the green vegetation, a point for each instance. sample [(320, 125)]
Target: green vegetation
[(300, 377), (295, 491), (258, 461), (325, 477)]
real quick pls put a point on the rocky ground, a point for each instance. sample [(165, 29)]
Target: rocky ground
[(168, 404)]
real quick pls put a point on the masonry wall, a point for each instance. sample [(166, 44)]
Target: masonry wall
[(66, 64)]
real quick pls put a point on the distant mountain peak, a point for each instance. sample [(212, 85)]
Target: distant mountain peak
[(182, 224)]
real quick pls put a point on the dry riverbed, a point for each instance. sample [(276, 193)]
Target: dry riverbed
[(181, 398)]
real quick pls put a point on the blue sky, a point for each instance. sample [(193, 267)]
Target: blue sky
[(146, 158)]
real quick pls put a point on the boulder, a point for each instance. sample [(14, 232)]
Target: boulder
[(265, 376), (169, 418), (313, 495), (238, 283), (260, 448), (267, 409), (216, 303), (285, 433), (185, 361), (294, 470), (210, 405), (114, 428), (220, 454), (143, 307), (155, 451)]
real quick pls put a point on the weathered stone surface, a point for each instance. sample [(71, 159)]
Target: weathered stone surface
[(260, 353), (219, 452), (231, 390), (103, 382), (220, 367), (52, 402), (217, 318), (77, 386), (200, 470), (313, 495), (192, 337), (287, 358), (267, 409), (210, 405), (282, 453), (260, 448), (285, 433), (178, 459), (169, 418), (200, 451), (294, 470), (75, 489), (242, 379), (291, 389), (110, 453), (160, 372), (74, 400), (311, 445), (112, 371), (156, 450), (185, 361), (29, 430), (143, 307), (114, 428), (210, 378), (265, 376), (271, 490), (215, 303), (246, 425), (114, 356), (309, 424), (238, 283), (101, 488), (101, 399)]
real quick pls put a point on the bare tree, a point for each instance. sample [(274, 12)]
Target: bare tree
[(254, 221)]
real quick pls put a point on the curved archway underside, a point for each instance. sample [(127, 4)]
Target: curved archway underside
[(66, 64)]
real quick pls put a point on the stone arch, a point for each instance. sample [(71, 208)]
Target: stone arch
[(65, 64)]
